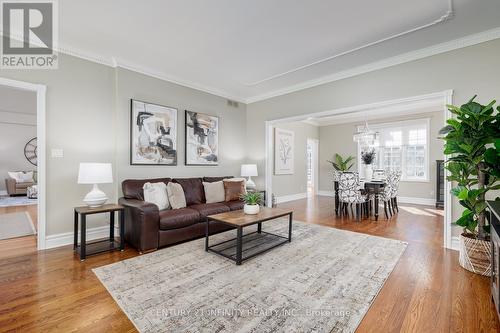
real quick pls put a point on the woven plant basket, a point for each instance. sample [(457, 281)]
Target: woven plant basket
[(475, 255)]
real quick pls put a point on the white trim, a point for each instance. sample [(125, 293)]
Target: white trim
[(443, 97), (327, 194), (40, 91), (417, 201), (291, 197), (66, 238), (452, 45), (3, 193), (448, 242), (315, 164), (455, 243), (443, 18)]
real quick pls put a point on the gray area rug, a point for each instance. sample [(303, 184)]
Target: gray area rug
[(323, 281), (14, 225), (17, 201)]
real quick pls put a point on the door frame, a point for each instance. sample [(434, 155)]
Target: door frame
[(439, 100), (315, 164), (40, 91)]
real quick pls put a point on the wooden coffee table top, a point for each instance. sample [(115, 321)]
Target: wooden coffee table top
[(238, 218)]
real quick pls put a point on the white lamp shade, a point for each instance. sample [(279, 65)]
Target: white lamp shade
[(95, 173), (249, 170)]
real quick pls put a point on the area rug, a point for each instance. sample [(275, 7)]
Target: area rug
[(14, 225), (17, 201), (323, 281)]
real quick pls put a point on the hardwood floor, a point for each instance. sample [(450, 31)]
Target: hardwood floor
[(20, 245), (52, 291)]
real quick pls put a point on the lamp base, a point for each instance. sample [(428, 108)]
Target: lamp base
[(250, 185), (95, 198)]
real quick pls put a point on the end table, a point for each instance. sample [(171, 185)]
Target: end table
[(109, 244)]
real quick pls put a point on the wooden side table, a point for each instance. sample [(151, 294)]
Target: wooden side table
[(103, 245)]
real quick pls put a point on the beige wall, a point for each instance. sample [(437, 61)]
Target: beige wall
[(468, 71), (338, 139), (232, 129), (296, 183)]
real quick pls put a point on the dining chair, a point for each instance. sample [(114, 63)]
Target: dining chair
[(390, 191), (396, 178), (350, 193)]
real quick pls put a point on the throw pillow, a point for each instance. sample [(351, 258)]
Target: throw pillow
[(214, 192), (156, 193), (22, 177), (233, 189), (176, 195)]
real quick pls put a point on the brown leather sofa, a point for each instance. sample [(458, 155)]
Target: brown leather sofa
[(147, 228)]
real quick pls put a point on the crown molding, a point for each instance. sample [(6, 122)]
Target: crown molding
[(455, 44), (448, 15)]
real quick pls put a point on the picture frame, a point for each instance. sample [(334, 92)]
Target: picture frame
[(153, 134), (284, 152), (201, 139)]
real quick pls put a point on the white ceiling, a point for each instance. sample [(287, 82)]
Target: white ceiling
[(245, 49)]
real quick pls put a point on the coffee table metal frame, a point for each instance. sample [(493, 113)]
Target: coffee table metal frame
[(238, 258)]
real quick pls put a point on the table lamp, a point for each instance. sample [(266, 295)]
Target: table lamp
[(249, 170), (95, 173)]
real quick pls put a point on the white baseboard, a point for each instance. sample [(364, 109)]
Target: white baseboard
[(3, 192), (326, 193), (291, 197), (417, 201), (455, 243), (66, 238)]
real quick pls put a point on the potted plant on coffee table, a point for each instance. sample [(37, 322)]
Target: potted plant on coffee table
[(368, 157), (469, 139), (252, 201)]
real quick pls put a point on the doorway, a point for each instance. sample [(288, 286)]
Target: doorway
[(312, 150), (22, 168)]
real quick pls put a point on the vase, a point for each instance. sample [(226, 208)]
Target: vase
[(251, 209), (475, 255), (368, 172)]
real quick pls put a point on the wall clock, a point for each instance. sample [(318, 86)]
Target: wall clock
[(30, 151)]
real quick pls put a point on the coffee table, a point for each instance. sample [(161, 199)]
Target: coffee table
[(244, 247)]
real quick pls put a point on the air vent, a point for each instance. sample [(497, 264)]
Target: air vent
[(233, 104)]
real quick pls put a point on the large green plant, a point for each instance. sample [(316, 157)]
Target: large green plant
[(472, 162), (340, 164)]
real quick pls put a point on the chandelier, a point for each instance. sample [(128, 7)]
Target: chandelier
[(365, 136)]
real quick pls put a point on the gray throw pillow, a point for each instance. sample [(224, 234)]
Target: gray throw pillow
[(214, 192), (176, 195)]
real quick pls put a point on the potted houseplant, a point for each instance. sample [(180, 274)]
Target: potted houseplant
[(473, 167), (368, 157), (341, 164), (252, 201)]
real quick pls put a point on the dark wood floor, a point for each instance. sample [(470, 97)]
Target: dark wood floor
[(427, 291)]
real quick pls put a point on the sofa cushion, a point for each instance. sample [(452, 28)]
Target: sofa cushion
[(132, 188), (210, 209), (178, 218), (215, 179), (24, 185), (235, 204), (156, 193), (193, 190)]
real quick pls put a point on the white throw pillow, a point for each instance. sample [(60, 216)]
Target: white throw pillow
[(176, 195), (156, 193), (22, 177), (214, 192)]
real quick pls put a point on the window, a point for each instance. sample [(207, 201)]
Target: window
[(403, 146)]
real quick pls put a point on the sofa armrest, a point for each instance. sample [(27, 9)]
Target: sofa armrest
[(142, 221), (10, 184)]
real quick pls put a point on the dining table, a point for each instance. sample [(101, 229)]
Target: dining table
[(372, 186)]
